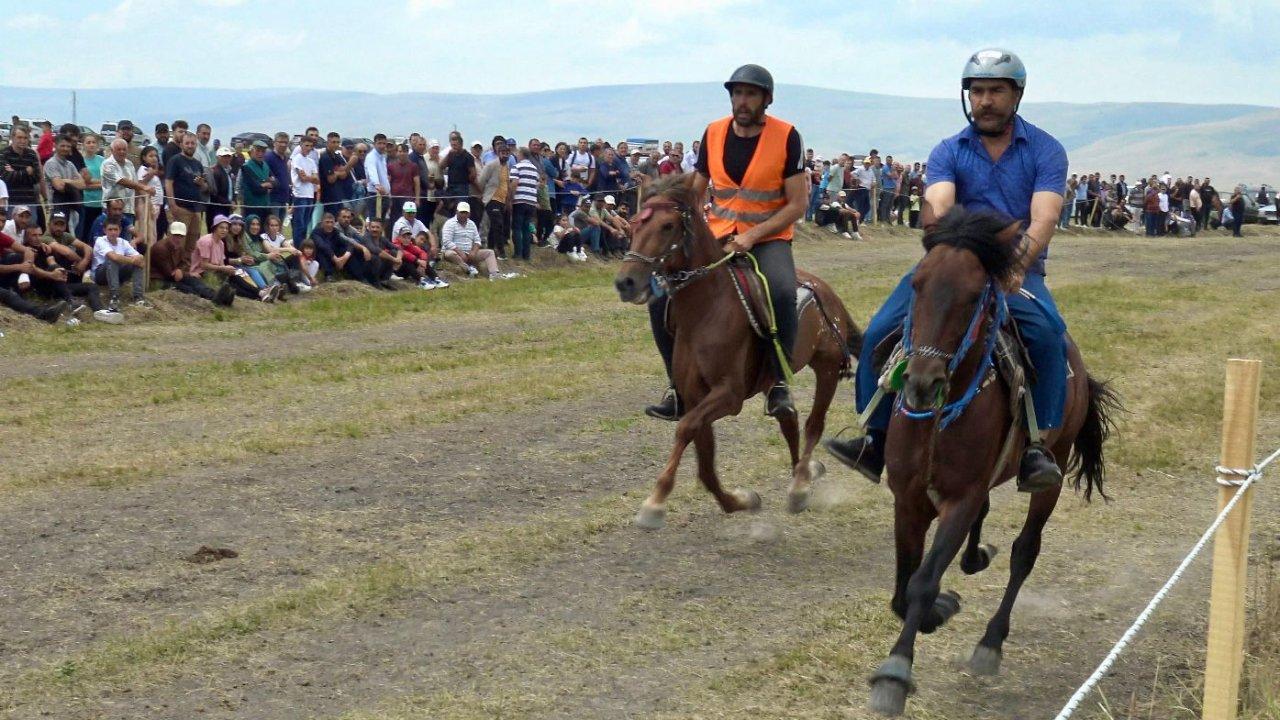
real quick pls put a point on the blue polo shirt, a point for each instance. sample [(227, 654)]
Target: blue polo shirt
[(1035, 161)]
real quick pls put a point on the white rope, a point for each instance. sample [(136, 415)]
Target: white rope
[(1250, 475)]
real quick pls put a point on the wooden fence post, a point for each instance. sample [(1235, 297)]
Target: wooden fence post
[(1225, 658)]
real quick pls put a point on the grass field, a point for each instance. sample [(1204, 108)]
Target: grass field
[(430, 496)]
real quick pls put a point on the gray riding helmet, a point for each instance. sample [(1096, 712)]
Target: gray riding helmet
[(751, 75), (994, 64)]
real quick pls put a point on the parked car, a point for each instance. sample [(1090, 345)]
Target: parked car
[(5, 127), (108, 131), (248, 137)]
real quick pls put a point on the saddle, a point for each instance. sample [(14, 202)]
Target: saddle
[(755, 299)]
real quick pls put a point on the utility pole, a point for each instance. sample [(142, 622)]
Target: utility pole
[(73, 107)]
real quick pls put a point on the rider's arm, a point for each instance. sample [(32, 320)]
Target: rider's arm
[(939, 198), (1046, 207)]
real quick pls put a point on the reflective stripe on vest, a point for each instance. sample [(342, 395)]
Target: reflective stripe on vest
[(736, 207)]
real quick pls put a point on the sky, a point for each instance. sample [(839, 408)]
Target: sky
[(1207, 51)]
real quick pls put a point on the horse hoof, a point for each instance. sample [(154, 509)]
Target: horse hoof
[(888, 697), (816, 470), (798, 501), (651, 517), (748, 500), (985, 661), (944, 608), (986, 553), (890, 686)]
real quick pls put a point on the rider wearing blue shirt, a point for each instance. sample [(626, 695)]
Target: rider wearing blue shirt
[(999, 163)]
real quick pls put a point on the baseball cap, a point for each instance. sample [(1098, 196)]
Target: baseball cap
[(476, 145), (464, 206), (841, 194), (411, 207), (124, 125), (162, 127), (511, 142), (433, 143), (225, 152), (406, 230), (217, 220), (260, 143), (236, 218), (21, 209), (177, 227), (608, 200), (58, 215)]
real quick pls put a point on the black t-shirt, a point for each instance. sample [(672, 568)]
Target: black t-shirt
[(340, 190), (739, 150), (183, 171), (457, 168)]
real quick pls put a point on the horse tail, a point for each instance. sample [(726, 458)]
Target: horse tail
[(1099, 422)]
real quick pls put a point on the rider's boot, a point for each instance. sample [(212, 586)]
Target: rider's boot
[(864, 454), (778, 403), (669, 408), (1038, 471)]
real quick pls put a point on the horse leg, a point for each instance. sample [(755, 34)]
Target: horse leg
[(977, 554), (806, 470), (927, 609), (653, 512), (986, 656), (705, 444)]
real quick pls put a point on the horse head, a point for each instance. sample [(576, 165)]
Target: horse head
[(969, 258), (665, 235)]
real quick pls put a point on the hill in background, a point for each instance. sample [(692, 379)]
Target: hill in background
[(1230, 142)]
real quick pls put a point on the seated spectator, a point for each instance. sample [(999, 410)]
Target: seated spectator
[(616, 220), (115, 211), (839, 217), (1117, 217), (170, 263), (408, 219), (330, 248), (606, 237), (16, 226), (568, 236), (387, 257), (365, 264), (209, 263), (51, 280), (238, 254), (114, 259), (417, 252), (15, 263), (282, 254), (460, 243), (252, 246), (71, 253), (308, 264)]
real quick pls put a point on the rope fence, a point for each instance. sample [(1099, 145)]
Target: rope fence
[(1225, 655)]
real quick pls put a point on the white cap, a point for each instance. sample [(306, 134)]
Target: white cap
[(410, 207), (841, 194), (225, 152), (608, 200), (464, 206), (433, 143), (177, 227)]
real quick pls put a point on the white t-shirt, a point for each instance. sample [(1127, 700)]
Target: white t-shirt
[(4, 192), (580, 165), (102, 246), (307, 164), (415, 228)]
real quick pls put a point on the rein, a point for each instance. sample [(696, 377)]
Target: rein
[(669, 283), (992, 307)]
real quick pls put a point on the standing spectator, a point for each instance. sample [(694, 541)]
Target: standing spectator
[(1068, 202), (219, 185), (495, 181), (114, 259), (305, 178), (170, 263), (93, 184), (65, 185), (612, 175), (20, 168), (257, 181), (1195, 203), (690, 161), (206, 153), (150, 176), (46, 147), (1237, 211), (866, 178), (889, 177), (375, 169), (277, 158), (335, 175), (359, 180), (435, 178), (1162, 205), (120, 177), (582, 164), (524, 206), (184, 184), (172, 147), (404, 177), (1209, 200), (460, 175)]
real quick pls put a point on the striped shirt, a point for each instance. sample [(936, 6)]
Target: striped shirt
[(526, 174)]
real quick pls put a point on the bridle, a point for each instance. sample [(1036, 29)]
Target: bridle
[(993, 308), (664, 283)]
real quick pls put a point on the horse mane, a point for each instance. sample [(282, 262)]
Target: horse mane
[(985, 234)]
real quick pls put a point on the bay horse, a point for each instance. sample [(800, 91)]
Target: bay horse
[(946, 471), (719, 361)]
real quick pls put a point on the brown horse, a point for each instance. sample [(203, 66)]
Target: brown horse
[(946, 471), (719, 361)]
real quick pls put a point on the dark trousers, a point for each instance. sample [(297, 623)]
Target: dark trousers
[(779, 269), (17, 303), (886, 204), (68, 291), (498, 227), (546, 223), (367, 271), (522, 229), (570, 241), (862, 202), (87, 216), (192, 286)]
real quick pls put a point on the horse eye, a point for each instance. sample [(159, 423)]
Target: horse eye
[(668, 226)]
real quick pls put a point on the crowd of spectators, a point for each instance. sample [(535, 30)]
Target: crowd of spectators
[(262, 219)]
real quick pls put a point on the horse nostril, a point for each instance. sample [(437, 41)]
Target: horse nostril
[(624, 284)]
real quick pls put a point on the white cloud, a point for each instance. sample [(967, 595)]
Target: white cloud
[(31, 22), (417, 9)]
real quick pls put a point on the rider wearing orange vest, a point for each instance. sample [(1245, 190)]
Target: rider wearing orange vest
[(754, 165)]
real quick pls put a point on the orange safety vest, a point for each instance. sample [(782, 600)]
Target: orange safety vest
[(734, 207)]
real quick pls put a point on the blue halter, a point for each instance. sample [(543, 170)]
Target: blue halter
[(991, 295)]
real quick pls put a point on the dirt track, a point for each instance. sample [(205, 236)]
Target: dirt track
[(485, 565)]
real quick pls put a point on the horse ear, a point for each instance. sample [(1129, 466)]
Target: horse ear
[(1009, 235)]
